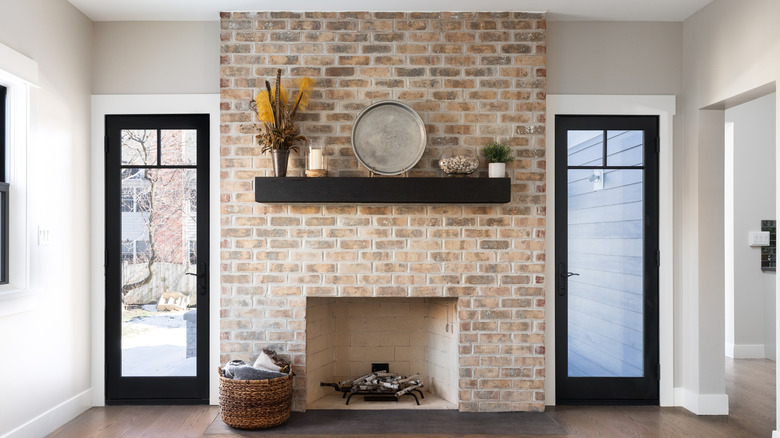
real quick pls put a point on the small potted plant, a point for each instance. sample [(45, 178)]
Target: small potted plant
[(277, 113), (497, 155)]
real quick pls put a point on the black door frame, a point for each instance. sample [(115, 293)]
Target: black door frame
[(154, 390), (609, 390)]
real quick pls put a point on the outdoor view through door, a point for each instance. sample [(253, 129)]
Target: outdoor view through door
[(156, 258), (606, 259)]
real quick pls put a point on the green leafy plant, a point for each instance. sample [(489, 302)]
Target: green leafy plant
[(498, 153)]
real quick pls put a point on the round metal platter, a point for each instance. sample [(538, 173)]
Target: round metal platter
[(388, 137)]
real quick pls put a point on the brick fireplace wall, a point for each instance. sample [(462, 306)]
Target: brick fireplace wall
[(473, 78)]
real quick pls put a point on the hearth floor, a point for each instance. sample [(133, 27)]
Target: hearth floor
[(334, 401)]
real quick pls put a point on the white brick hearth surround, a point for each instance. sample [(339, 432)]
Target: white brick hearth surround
[(473, 78)]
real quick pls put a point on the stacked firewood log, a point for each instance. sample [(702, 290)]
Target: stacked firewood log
[(382, 382)]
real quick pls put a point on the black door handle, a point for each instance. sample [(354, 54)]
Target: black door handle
[(562, 280), (203, 278)]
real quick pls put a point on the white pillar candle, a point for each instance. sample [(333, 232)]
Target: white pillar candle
[(315, 159)]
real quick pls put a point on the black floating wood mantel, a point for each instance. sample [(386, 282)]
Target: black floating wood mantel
[(383, 190)]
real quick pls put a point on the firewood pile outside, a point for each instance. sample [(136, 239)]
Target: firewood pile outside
[(380, 383)]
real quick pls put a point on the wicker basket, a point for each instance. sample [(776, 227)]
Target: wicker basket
[(255, 404)]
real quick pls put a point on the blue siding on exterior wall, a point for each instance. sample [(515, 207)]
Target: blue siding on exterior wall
[(605, 238)]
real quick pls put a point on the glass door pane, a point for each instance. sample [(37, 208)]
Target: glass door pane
[(159, 241), (605, 256)]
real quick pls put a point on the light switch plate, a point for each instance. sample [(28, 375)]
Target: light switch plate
[(759, 238), (44, 236)]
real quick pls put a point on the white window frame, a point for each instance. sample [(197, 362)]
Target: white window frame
[(19, 74)]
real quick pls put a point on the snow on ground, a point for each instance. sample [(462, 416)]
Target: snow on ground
[(156, 345)]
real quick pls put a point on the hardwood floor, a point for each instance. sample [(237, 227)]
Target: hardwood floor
[(140, 421), (750, 385)]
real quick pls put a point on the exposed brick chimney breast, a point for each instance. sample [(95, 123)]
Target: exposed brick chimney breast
[(473, 77)]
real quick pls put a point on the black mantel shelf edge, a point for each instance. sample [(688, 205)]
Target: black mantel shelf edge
[(383, 190)]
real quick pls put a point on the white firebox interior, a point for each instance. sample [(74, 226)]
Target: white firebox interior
[(344, 336)]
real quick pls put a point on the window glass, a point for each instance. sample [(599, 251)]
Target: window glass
[(625, 148), (139, 147), (179, 146), (585, 148)]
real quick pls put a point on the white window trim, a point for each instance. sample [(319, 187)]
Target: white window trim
[(18, 74), (103, 105), (664, 106)]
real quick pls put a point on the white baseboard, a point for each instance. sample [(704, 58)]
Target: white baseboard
[(702, 404), (745, 351), (678, 396), (775, 434), (55, 417)]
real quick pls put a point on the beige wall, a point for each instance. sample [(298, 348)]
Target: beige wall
[(45, 351), (614, 58), (156, 57)]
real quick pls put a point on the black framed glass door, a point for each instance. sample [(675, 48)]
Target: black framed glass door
[(157, 291), (606, 259)]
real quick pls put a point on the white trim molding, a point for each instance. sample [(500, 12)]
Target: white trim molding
[(665, 108), (18, 65), (746, 351), (103, 105), (704, 404), (55, 417), (18, 74)]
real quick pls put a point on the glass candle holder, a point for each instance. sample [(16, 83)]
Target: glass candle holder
[(315, 162)]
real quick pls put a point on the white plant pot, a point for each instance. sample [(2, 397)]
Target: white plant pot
[(496, 170)]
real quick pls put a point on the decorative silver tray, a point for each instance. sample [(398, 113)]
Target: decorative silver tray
[(388, 137)]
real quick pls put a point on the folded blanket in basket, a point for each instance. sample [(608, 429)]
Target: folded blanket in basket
[(239, 370)]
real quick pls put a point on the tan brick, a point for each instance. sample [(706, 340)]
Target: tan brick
[(355, 291), (411, 49)]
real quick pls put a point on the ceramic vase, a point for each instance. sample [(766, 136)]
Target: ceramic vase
[(496, 170)]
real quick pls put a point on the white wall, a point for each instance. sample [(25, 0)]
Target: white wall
[(156, 57), (750, 290), (45, 350), (731, 54)]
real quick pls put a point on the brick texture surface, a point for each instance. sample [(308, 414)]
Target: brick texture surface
[(473, 78)]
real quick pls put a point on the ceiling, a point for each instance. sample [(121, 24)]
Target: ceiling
[(558, 10)]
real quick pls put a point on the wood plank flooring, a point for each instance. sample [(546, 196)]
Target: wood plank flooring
[(750, 385)]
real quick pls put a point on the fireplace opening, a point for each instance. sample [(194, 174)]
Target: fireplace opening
[(347, 338)]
